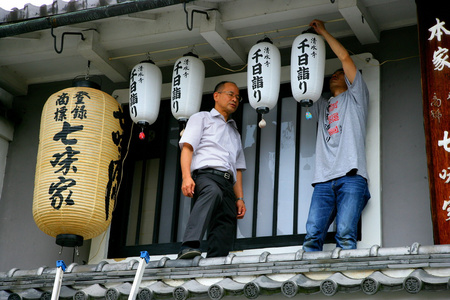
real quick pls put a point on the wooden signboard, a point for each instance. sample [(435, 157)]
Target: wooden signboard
[(434, 41)]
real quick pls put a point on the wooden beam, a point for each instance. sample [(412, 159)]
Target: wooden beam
[(360, 21), (91, 49), (216, 35)]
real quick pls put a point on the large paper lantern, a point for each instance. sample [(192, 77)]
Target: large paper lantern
[(145, 94), (307, 68), (263, 76), (78, 164), (187, 87)]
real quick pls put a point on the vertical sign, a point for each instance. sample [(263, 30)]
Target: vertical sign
[(434, 41)]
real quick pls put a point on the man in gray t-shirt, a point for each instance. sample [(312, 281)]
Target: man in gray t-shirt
[(340, 180)]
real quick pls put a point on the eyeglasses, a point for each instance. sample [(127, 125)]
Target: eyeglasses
[(232, 95)]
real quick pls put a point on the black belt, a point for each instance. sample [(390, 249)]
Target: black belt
[(226, 175)]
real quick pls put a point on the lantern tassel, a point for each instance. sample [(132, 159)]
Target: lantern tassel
[(143, 125), (308, 114), (142, 134), (262, 110), (262, 123)]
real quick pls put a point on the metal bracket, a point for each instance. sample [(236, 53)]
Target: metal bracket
[(62, 39), (192, 16)]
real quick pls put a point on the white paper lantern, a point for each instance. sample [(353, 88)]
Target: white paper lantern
[(307, 68), (145, 93), (263, 76), (187, 86)]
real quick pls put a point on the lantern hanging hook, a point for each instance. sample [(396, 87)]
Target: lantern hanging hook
[(189, 27), (62, 38)]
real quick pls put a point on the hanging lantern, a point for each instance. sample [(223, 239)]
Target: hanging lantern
[(187, 87), (263, 77), (145, 94), (78, 164), (307, 68)]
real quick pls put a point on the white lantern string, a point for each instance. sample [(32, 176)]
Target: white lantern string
[(263, 77), (145, 94), (307, 68)]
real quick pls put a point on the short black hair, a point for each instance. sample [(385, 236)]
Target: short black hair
[(220, 85), (338, 70)]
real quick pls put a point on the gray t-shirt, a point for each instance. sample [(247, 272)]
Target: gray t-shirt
[(341, 132)]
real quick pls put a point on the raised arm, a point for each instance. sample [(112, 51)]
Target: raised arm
[(342, 54)]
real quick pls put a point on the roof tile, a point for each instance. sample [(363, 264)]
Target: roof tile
[(412, 269)]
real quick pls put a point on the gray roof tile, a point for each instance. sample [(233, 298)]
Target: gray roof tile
[(30, 11), (413, 269)]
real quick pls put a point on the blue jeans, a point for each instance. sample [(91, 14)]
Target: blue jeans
[(343, 198)]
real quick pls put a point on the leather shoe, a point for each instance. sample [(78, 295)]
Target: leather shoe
[(188, 253)]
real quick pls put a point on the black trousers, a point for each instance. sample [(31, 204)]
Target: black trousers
[(215, 211)]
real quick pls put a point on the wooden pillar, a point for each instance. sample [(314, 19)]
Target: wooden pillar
[(434, 41)]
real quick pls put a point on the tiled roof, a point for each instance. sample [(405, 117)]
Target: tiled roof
[(413, 269), (30, 11)]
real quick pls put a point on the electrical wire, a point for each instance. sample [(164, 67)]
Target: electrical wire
[(225, 68), (241, 37), (98, 249), (228, 39), (382, 63), (123, 163)]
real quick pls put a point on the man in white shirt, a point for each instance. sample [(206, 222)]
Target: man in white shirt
[(212, 161)]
